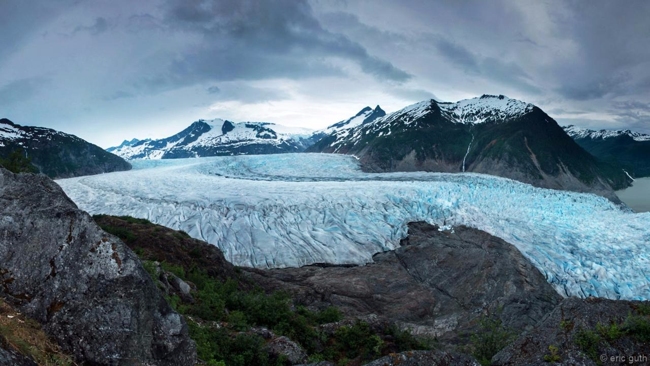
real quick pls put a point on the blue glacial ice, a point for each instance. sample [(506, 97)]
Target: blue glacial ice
[(273, 211)]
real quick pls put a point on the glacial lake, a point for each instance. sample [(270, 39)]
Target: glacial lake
[(637, 197)]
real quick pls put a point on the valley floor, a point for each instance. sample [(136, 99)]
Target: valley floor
[(289, 210)]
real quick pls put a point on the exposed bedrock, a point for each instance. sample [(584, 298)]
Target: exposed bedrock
[(586, 332), (438, 283), (87, 289)]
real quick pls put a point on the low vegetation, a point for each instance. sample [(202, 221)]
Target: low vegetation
[(26, 337), (230, 317), (18, 162), (635, 326), (491, 338)]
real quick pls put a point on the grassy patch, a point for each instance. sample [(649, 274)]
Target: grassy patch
[(26, 336)]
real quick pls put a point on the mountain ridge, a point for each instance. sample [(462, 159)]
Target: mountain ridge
[(490, 134), (219, 137), (55, 153), (625, 148)]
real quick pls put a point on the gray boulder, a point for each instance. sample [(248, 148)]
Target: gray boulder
[(283, 346), (590, 331), (425, 358), (87, 289)]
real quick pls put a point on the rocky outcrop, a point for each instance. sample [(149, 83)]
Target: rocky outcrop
[(285, 347), (11, 357), (589, 331), (87, 289), (428, 358), (438, 284)]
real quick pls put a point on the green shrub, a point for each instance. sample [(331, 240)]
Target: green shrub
[(553, 355), (177, 270), (610, 332), (134, 220), (643, 309), (491, 337), (404, 340), (122, 233), (18, 162), (638, 327), (588, 342), (358, 340)]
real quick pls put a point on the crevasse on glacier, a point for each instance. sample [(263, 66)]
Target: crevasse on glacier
[(289, 210)]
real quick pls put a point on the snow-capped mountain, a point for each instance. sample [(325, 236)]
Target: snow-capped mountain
[(365, 116), (628, 149), (271, 211), (57, 154), (219, 137), (490, 134), (581, 133)]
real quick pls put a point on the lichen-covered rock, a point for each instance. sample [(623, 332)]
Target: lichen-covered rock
[(425, 358), (283, 346), (586, 332), (87, 289)]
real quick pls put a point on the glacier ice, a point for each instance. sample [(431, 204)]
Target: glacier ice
[(287, 210)]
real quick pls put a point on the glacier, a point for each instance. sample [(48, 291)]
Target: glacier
[(290, 210)]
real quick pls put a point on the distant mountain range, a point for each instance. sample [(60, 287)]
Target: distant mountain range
[(57, 154), (630, 150), (219, 137), (490, 134)]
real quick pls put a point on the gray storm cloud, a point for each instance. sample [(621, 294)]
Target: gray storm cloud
[(94, 67)]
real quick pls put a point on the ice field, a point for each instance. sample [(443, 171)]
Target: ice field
[(286, 210)]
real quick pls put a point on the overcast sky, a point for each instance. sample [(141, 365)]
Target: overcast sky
[(109, 70)]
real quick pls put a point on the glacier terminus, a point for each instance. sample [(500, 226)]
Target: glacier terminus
[(289, 210)]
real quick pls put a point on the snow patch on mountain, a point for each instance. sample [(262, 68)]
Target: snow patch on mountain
[(366, 115), (273, 211), (9, 132), (485, 108), (215, 137), (579, 133)]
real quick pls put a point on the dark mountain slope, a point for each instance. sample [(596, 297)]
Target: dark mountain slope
[(491, 134), (627, 149), (57, 154)]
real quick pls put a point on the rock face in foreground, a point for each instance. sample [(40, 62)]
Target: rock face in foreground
[(421, 358), (437, 284), (85, 286), (589, 331)]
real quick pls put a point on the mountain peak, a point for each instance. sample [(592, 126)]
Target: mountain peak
[(219, 137), (579, 133), (364, 110), (490, 96), (365, 116), (485, 108)]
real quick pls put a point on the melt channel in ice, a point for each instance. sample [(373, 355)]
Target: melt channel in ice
[(289, 210)]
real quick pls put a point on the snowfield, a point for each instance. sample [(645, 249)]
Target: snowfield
[(289, 210)]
